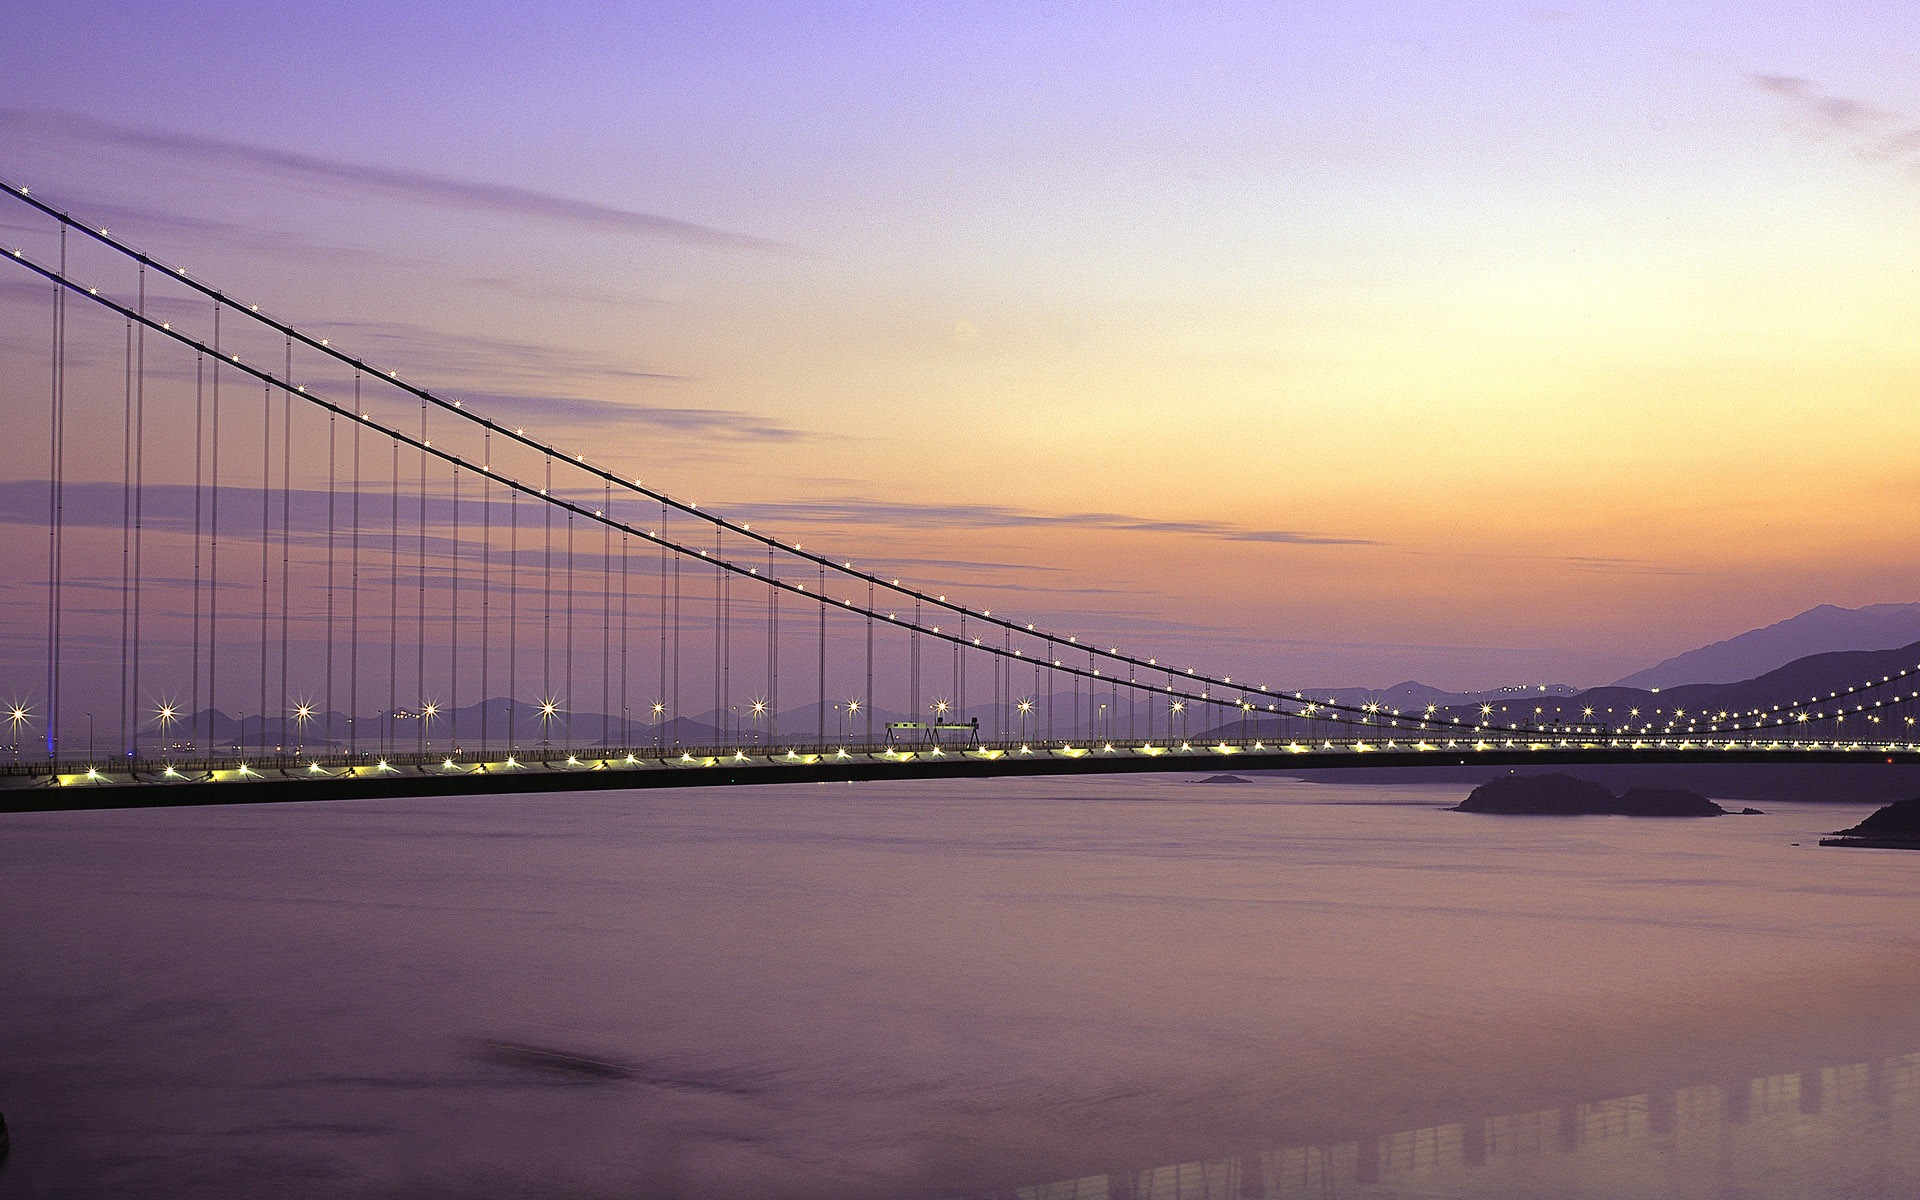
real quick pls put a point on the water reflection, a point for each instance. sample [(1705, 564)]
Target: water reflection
[(1846, 1130)]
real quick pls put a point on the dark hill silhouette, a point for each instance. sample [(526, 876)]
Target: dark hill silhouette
[(1818, 675), (1819, 630)]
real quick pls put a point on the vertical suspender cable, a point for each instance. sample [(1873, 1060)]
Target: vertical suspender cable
[(870, 699), (453, 620), (960, 670), (139, 490), (513, 619), (674, 712), (772, 653), (1074, 711), (820, 700), (546, 609), (606, 622), (1133, 709), (1093, 713), (662, 693), (1048, 707), (486, 584), (213, 539), (420, 594), (286, 534), (266, 546), (626, 644), (1005, 701), (56, 501), (333, 481), (199, 481), (387, 728), (353, 594), (567, 614), (127, 728)]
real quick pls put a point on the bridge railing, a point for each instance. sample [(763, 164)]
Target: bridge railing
[(561, 759)]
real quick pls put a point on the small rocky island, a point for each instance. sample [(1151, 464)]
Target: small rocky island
[(1895, 827), (1565, 796)]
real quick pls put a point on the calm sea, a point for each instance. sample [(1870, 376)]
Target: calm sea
[(1086, 988)]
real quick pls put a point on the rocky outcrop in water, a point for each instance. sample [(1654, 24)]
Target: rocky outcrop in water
[(1565, 796), (1897, 826)]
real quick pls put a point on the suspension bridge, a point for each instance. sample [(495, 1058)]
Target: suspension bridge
[(247, 564)]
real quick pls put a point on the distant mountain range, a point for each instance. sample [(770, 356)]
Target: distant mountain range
[(1824, 673), (1827, 629), (1824, 649), (1816, 631), (1813, 679)]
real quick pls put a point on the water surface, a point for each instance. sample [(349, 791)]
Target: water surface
[(1088, 988)]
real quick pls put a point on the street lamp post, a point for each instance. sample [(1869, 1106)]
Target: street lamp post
[(548, 708), (301, 715), (166, 714)]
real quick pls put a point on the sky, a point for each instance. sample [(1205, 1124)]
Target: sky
[(1353, 343)]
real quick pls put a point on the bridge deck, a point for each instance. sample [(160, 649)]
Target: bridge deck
[(29, 787)]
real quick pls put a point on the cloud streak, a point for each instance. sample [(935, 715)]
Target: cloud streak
[(420, 351), (1872, 132), (415, 187), (1000, 516), (511, 407)]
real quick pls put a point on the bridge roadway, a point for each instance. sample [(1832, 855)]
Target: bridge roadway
[(43, 787)]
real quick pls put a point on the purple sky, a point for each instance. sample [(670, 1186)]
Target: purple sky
[(1350, 343)]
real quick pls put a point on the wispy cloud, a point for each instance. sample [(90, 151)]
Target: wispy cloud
[(577, 410), (146, 228), (999, 516), (195, 228), (416, 187), (422, 351), (1869, 130), (1578, 562)]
